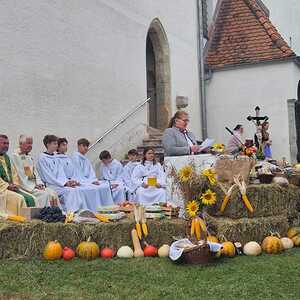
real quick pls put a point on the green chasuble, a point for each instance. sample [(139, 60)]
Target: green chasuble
[(7, 175)]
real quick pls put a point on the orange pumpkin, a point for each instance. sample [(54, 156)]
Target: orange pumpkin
[(293, 231), (228, 249), (272, 245), (68, 253), (88, 250), (107, 253), (53, 250), (296, 240)]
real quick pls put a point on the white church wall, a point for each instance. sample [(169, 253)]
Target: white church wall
[(233, 94), (73, 68)]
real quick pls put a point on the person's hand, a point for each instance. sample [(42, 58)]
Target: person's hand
[(145, 186), (40, 187), (114, 185), (12, 187), (96, 182), (194, 148), (158, 185), (71, 183)]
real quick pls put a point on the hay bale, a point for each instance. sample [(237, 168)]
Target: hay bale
[(245, 229), (29, 239), (266, 199)]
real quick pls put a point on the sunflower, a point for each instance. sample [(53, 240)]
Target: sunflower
[(192, 208), (209, 197), (185, 173), (219, 147), (210, 174)]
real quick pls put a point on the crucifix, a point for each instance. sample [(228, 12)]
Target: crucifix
[(258, 120)]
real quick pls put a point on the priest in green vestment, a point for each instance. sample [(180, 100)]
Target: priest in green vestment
[(13, 197)]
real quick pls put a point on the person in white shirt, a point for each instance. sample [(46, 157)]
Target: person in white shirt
[(112, 172), (149, 168)]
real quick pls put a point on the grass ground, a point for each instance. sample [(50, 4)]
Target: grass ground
[(263, 277)]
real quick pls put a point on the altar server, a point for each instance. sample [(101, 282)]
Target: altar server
[(96, 193), (130, 187), (149, 168), (12, 197), (112, 172), (28, 175)]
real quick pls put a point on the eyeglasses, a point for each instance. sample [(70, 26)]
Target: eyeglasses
[(185, 120)]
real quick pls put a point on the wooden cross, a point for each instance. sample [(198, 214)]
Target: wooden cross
[(257, 119)]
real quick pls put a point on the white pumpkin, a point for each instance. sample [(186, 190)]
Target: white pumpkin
[(125, 252), (287, 243), (252, 249), (163, 251)]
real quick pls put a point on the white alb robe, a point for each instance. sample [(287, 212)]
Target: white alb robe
[(113, 173), (130, 187), (85, 174), (53, 176), (150, 195), (24, 165), (94, 196)]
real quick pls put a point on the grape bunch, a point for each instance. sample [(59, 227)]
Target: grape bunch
[(52, 214)]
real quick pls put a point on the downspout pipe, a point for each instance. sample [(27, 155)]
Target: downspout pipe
[(200, 52)]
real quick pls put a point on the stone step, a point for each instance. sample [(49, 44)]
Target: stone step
[(152, 142)]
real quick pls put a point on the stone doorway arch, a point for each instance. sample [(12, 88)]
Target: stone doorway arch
[(158, 75)]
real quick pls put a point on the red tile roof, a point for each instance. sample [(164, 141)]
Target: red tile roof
[(243, 34)]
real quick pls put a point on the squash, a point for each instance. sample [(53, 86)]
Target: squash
[(228, 249), (212, 239), (68, 253), (150, 251), (272, 245), (88, 250), (53, 250), (296, 240), (287, 243), (16, 218), (138, 252), (252, 248), (163, 251), (293, 231), (107, 253), (125, 252)]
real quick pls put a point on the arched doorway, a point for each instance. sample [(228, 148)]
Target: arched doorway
[(158, 76)]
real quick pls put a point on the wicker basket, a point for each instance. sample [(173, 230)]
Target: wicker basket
[(265, 178), (199, 255), (294, 179)]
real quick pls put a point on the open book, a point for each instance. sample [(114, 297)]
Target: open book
[(207, 144)]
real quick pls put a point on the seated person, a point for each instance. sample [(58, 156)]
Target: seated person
[(234, 145), (13, 197), (112, 171), (29, 177), (127, 174), (79, 169), (145, 194), (177, 140)]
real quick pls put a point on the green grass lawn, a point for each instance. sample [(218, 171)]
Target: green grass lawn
[(263, 277)]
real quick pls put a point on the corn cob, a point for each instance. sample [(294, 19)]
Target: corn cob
[(247, 203), (224, 203), (16, 218), (102, 218), (193, 227), (145, 229), (138, 230), (197, 230)]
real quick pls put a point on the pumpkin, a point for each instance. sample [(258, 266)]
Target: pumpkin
[(88, 250), (287, 243), (293, 232), (68, 253), (252, 249), (272, 245), (125, 252), (212, 239), (138, 252), (53, 250), (107, 253), (150, 250), (228, 249), (163, 251), (296, 240)]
